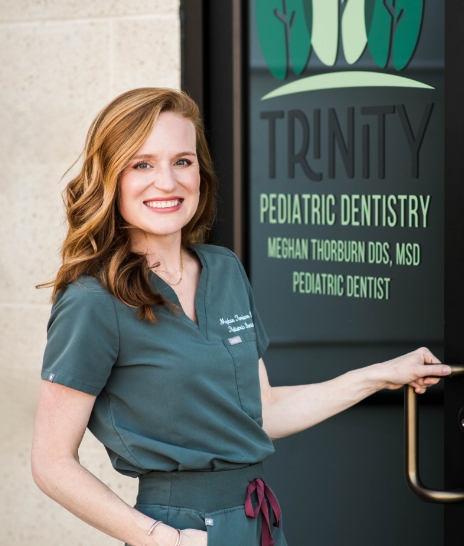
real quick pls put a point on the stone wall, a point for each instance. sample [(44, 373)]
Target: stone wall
[(61, 61)]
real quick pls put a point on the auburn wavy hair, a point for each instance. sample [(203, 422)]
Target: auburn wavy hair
[(98, 238)]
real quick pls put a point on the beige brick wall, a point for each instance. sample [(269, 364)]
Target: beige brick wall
[(61, 61)]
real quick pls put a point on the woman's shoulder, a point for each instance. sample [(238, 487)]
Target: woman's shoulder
[(84, 302), (85, 290), (221, 259), (218, 253)]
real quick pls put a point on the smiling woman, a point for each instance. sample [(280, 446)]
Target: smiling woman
[(106, 238), (155, 344)]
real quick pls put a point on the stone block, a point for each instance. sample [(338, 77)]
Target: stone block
[(32, 229), (146, 54), (56, 79)]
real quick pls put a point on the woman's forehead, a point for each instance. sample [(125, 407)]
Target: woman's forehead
[(171, 133)]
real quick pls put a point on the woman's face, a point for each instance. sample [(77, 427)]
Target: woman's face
[(159, 190)]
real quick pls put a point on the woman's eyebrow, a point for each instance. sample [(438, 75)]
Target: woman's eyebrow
[(153, 156)]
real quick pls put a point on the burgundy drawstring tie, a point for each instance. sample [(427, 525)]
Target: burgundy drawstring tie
[(264, 493)]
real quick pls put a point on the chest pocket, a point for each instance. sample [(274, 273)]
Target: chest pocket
[(242, 349)]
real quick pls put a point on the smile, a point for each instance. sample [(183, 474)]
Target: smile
[(163, 204)]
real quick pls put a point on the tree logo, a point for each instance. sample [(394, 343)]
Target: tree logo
[(290, 30)]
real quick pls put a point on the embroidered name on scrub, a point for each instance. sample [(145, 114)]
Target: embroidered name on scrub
[(237, 319)]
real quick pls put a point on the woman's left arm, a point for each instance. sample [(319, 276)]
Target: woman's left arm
[(287, 410)]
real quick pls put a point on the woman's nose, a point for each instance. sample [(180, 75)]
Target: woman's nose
[(165, 179)]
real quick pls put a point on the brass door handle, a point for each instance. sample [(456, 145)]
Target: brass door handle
[(411, 427)]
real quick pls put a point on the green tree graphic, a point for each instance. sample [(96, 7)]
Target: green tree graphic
[(326, 30), (284, 30), (393, 25), (287, 29), (354, 37), (327, 15)]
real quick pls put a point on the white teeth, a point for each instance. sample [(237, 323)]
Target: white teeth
[(162, 204)]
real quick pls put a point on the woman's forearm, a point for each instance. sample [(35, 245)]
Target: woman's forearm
[(61, 420), (80, 492), (292, 409), (287, 410)]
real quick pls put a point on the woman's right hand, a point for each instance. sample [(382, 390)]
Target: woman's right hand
[(192, 537), (167, 536)]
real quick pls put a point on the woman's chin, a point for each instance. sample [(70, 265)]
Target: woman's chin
[(159, 233)]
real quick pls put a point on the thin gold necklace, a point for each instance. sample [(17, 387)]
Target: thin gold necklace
[(173, 272)]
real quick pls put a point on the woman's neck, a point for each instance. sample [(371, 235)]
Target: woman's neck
[(162, 252)]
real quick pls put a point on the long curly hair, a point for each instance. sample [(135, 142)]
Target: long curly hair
[(98, 239)]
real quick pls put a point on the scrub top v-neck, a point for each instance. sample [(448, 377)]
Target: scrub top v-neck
[(160, 285), (175, 395)]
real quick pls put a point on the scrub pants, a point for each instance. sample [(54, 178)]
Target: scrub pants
[(216, 502)]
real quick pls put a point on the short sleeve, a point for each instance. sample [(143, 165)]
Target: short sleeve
[(262, 341), (82, 337)]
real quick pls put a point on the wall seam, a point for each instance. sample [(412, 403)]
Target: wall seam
[(84, 20)]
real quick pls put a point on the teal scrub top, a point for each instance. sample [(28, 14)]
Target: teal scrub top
[(171, 396)]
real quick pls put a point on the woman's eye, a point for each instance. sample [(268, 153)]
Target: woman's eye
[(183, 162), (142, 166)]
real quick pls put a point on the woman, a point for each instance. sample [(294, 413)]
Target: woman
[(155, 344)]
